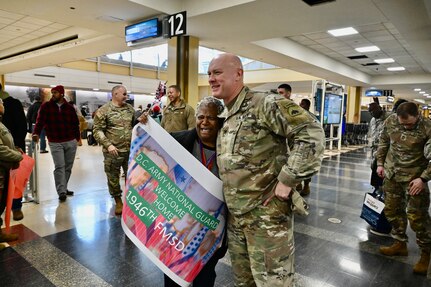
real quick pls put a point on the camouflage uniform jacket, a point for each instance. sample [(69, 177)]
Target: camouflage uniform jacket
[(374, 130), (8, 154), (179, 118), (113, 125), (405, 154), (251, 148)]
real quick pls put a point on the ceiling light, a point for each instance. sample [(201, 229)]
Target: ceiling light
[(396, 69), (367, 49), (422, 92), (372, 88), (426, 95), (384, 61), (96, 89), (342, 32), (417, 90)]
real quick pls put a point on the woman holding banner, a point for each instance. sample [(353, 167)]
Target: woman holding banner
[(201, 143)]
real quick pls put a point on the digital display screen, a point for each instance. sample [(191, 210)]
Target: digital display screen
[(332, 109), (142, 30), (373, 93)]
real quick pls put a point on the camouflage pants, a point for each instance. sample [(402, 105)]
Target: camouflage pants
[(400, 207), (113, 166), (261, 246)]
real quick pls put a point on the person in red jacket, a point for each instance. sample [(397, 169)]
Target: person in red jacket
[(62, 129)]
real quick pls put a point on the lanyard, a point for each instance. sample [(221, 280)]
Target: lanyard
[(207, 163)]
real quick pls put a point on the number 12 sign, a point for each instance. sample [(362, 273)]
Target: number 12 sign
[(175, 24)]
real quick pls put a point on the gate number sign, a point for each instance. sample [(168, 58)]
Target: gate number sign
[(175, 24)]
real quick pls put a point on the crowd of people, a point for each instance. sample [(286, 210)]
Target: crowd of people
[(265, 149)]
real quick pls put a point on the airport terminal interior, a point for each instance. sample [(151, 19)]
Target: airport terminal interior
[(83, 45)]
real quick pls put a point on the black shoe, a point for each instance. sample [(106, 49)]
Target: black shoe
[(62, 197), (43, 151), (69, 193)]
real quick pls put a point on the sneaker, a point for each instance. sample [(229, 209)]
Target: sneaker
[(43, 151), (379, 233), (62, 197), (69, 193)]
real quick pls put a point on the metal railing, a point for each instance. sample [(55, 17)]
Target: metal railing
[(31, 191)]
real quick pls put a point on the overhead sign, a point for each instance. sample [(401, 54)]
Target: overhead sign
[(175, 25), (387, 93)]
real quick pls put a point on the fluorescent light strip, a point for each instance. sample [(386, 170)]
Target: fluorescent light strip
[(393, 69), (384, 61), (343, 32), (367, 49), (417, 90), (422, 92)]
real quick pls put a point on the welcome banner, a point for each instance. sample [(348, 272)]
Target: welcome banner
[(173, 210)]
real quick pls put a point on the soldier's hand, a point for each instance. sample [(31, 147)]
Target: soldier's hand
[(282, 192), (381, 171), (113, 150), (416, 186), (143, 118)]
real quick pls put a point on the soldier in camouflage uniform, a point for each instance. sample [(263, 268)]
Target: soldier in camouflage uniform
[(177, 116), (403, 159), (374, 130), (112, 129), (258, 177)]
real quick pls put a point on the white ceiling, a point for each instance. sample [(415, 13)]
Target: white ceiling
[(286, 33)]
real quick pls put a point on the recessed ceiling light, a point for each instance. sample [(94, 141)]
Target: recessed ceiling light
[(426, 95), (52, 86), (417, 90), (372, 88), (342, 32), (396, 69), (422, 92), (96, 89), (384, 61), (367, 49)]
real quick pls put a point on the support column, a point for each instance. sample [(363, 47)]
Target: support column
[(353, 113), (183, 67), (2, 81)]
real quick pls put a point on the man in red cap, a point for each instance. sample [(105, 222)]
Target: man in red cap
[(61, 124)]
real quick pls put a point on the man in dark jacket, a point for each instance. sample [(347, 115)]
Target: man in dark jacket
[(14, 119), (31, 119)]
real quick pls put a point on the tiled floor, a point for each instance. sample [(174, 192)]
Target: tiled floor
[(81, 242)]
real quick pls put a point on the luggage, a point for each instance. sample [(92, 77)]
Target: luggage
[(372, 212)]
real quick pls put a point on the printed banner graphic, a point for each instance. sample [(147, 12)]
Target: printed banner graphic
[(174, 209)]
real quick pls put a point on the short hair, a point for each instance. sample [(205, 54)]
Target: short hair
[(210, 101), (287, 87), (306, 102), (115, 88), (176, 87), (407, 109), (398, 103)]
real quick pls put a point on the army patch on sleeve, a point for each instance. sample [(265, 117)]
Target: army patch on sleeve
[(290, 108)]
